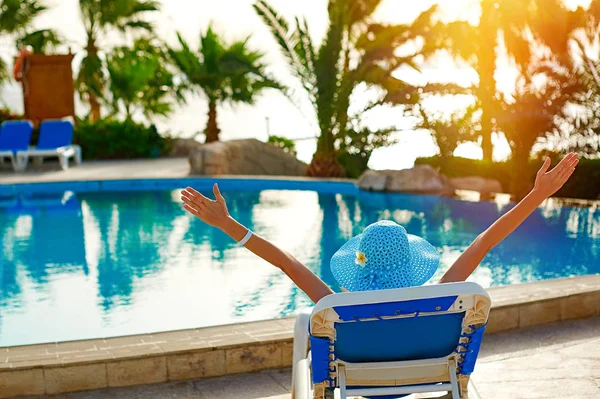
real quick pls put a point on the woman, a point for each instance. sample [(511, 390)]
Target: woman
[(384, 256)]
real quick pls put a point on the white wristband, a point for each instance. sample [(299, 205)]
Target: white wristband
[(244, 240)]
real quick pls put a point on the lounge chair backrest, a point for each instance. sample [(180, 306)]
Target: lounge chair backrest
[(15, 135), (55, 134), (413, 325), (412, 338)]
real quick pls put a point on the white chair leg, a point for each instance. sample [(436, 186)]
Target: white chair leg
[(342, 376), (453, 380), (20, 162), (64, 161), (77, 154), (300, 341)]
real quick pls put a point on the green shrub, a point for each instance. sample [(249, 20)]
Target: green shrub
[(459, 167), (286, 145), (113, 139), (585, 182), (357, 144), (7, 115), (354, 164)]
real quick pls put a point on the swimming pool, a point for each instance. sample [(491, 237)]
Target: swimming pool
[(99, 259)]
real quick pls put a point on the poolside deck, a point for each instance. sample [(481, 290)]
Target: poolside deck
[(560, 360), (100, 170)]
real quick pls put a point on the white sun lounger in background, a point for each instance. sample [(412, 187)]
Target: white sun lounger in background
[(391, 342), (14, 136), (56, 140)]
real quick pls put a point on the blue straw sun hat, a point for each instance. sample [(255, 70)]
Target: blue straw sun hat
[(384, 256)]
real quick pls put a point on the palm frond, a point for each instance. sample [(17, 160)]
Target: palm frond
[(188, 63), (138, 24), (287, 41), (17, 15), (360, 10), (460, 38), (91, 79), (140, 81), (518, 47), (145, 6), (4, 73), (41, 41), (224, 72), (328, 74), (304, 49)]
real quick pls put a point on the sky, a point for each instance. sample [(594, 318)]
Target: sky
[(273, 112)]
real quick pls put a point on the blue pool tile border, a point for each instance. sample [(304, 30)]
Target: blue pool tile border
[(337, 187)]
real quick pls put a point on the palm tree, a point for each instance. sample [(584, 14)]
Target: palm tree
[(565, 104), (512, 24), (532, 113), (139, 79), (354, 51), (99, 16), (16, 17), (223, 72), (581, 69), (448, 133)]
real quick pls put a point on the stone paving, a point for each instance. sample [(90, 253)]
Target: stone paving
[(560, 360)]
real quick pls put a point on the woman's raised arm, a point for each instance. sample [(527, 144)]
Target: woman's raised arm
[(546, 184), (215, 213)]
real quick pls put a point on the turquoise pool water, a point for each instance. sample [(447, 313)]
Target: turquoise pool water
[(89, 260)]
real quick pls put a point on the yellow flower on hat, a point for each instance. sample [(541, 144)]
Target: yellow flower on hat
[(361, 259)]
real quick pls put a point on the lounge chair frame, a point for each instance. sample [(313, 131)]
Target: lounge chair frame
[(63, 154), (12, 154), (318, 372)]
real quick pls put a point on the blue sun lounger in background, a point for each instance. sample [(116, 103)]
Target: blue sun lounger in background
[(56, 140), (391, 343), (14, 136)]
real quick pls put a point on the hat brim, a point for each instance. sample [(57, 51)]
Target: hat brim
[(354, 277)]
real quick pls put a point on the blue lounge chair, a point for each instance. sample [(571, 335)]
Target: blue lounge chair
[(391, 343), (56, 140), (14, 136)]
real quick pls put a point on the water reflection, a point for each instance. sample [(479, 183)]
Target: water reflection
[(33, 228), (100, 264)]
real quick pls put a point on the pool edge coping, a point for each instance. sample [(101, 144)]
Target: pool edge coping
[(461, 194), (245, 347)]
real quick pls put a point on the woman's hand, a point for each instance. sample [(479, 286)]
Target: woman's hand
[(211, 212), (547, 183)]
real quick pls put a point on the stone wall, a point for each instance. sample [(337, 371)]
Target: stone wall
[(244, 157), (184, 147), (424, 179)]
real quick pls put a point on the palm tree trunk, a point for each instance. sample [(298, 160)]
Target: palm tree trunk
[(520, 173), (487, 66), (486, 132), (95, 108), (92, 50), (325, 164), (212, 129)]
